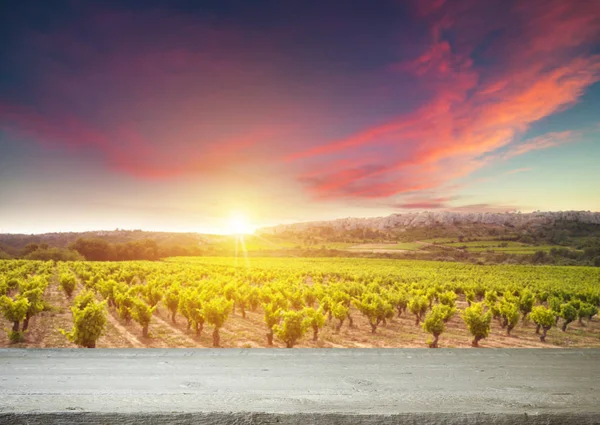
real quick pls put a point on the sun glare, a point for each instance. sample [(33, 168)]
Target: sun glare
[(239, 225)]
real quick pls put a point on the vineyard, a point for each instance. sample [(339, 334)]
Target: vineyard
[(296, 302)]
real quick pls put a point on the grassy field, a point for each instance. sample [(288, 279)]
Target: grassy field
[(254, 243), (374, 247), (498, 246)]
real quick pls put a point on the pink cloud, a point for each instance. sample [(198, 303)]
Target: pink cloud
[(473, 110), (542, 142)]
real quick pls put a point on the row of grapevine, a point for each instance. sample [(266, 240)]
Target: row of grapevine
[(298, 295), (22, 287), (297, 299)]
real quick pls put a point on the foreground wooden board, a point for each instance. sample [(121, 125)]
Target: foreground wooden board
[(341, 386)]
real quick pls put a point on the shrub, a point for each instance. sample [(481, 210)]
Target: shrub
[(243, 296), (544, 318), (292, 328), (124, 303), (216, 312), (509, 314), (230, 293), (490, 298), (526, 302), (171, 300), (470, 296), (153, 294), (435, 320), (586, 311), (309, 296), (447, 298), (35, 296), (375, 308), (272, 318), (88, 324), (190, 307), (568, 313), (254, 298), (554, 304), (418, 306), (68, 282), (107, 290), (478, 322), (315, 320), (142, 313), (83, 299), (14, 311), (399, 300), (340, 312)]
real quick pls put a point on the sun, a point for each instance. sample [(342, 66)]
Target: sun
[(239, 225)]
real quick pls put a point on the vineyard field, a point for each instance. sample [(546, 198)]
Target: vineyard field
[(249, 302)]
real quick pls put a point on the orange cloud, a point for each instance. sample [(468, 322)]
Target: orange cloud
[(474, 109)]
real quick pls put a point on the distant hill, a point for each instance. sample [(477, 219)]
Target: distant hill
[(15, 243), (443, 218), (577, 229), (566, 237)]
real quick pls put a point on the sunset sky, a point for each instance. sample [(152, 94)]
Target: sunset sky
[(174, 115)]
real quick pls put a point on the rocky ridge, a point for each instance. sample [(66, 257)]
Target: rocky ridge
[(444, 218)]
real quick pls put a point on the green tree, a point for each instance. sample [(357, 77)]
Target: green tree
[(292, 328), (544, 318), (315, 320), (88, 324), (477, 321), (216, 312)]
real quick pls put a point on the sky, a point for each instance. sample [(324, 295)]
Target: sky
[(177, 115)]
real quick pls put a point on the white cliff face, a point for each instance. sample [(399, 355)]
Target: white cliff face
[(423, 219)]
